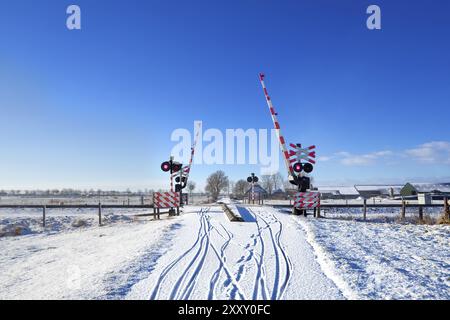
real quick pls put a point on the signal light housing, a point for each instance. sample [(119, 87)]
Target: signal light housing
[(298, 167), (171, 166), (165, 166), (176, 167), (308, 167)]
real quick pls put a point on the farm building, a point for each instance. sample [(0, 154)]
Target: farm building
[(340, 192), (408, 190), (436, 191), (383, 191)]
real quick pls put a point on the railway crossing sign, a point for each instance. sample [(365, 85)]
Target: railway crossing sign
[(306, 200), (303, 158)]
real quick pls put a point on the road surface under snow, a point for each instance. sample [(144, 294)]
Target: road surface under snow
[(202, 255), (263, 258)]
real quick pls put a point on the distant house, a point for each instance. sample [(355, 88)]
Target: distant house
[(408, 190), (279, 195), (258, 190)]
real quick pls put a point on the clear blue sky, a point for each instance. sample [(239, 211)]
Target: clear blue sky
[(96, 107)]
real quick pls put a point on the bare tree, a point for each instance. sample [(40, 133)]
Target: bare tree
[(216, 183), (277, 181), (272, 182), (240, 188), (230, 187), (267, 183)]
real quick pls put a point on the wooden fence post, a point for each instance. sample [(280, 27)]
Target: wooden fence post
[(318, 212), (99, 213), (446, 210), (43, 215), (420, 213), (403, 210), (365, 210)]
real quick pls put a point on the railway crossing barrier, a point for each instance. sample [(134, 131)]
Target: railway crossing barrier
[(164, 200)]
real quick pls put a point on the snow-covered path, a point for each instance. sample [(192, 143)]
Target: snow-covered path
[(266, 257)]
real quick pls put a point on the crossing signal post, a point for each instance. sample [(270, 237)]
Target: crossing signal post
[(253, 179), (303, 159), (173, 168)]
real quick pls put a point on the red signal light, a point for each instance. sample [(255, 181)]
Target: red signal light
[(298, 167), (165, 166)]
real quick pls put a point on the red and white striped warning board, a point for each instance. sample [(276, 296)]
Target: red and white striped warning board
[(306, 200), (166, 199)]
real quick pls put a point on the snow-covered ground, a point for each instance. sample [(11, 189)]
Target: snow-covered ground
[(30, 221), (384, 260), (84, 263), (202, 255)]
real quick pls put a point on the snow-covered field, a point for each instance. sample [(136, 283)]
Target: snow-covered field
[(202, 255), (384, 260)]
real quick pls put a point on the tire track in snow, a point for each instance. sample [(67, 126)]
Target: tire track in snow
[(167, 269), (186, 282), (233, 282), (193, 280), (278, 289), (260, 279), (215, 276), (287, 260)]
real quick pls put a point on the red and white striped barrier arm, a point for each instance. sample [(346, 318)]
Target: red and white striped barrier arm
[(188, 168), (277, 129)]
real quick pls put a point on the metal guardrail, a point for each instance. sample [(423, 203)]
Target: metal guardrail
[(230, 214)]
